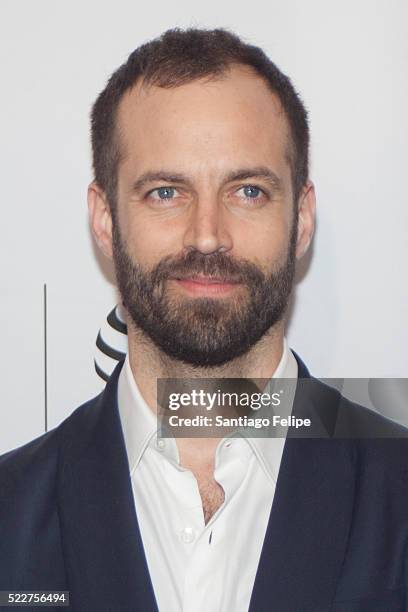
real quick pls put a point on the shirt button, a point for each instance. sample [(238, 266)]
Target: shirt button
[(187, 535), (160, 444)]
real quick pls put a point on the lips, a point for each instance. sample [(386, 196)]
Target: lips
[(207, 280), (202, 285)]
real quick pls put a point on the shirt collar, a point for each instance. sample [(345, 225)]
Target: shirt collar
[(269, 450), (139, 423)]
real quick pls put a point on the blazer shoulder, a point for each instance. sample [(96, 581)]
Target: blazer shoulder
[(26, 457), (43, 454), (27, 487), (380, 444), (358, 421), (349, 419), (39, 458)]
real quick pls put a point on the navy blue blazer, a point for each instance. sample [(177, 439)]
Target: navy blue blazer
[(337, 537)]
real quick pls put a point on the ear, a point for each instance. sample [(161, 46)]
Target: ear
[(100, 218), (306, 218)]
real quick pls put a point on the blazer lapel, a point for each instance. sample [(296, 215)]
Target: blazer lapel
[(308, 528), (103, 549)]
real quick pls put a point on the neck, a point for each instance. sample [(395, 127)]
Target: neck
[(149, 363)]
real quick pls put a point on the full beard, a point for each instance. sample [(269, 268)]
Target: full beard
[(204, 331)]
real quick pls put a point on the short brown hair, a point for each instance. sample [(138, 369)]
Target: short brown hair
[(178, 57)]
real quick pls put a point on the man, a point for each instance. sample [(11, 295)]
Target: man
[(202, 198)]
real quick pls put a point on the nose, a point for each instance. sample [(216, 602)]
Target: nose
[(207, 229)]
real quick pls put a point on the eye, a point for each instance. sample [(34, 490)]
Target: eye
[(162, 193), (252, 193)]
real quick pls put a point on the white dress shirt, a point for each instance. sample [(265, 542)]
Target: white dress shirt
[(196, 567)]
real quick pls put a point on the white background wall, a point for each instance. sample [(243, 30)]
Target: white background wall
[(348, 59)]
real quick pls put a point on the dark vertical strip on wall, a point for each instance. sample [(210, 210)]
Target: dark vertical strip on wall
[(45, 361)]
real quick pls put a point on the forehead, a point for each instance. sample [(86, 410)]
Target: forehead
[(232, 115)]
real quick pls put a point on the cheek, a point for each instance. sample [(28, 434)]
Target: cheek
[(150, 241), (264, 243)]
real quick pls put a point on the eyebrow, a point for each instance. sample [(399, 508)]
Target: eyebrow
[(241, 174)]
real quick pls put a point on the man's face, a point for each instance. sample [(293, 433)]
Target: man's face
[(205, 237)]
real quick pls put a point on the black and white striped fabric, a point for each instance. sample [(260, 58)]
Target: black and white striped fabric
[(111, 343)]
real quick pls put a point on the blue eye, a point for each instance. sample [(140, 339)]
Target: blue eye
[(163, 193), (251, 191), (251, 194)]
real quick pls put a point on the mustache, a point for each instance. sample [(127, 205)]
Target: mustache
[(220, 265)]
